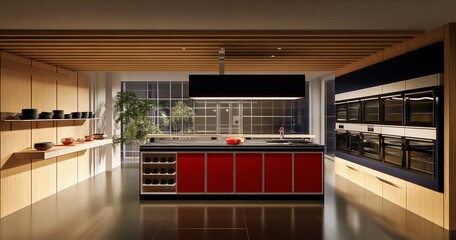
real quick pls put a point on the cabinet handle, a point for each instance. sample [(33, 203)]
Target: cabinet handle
[(387, 182), (352, 168)]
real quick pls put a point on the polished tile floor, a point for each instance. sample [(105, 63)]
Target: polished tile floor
[(108, 207)]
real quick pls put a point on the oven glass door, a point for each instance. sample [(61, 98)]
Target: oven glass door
[(393, 110), (341, 140), (371, 110), (371, 146), (355, 143), (421, 156), (393, 152), (341, 113), (420, 109), (353, 111)]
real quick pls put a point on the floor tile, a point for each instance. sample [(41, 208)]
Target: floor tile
[(200, 234), (107, 206), (204, 217)]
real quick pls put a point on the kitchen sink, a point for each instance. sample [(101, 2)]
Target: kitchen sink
[(287, 141)]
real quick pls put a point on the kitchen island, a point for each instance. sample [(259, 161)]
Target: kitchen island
[(212, 169)]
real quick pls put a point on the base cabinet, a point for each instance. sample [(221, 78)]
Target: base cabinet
[(249, 172), (220, 173), (419, 200), (158, 173), (278, 172), (308, 172), (228, 173), (190, 173)]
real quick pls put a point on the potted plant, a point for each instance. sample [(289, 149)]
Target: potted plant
[(183, 117), (133, 116)]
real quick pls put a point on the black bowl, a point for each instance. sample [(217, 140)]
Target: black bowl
[(27, 111), (25, 116), (43, 116), (68, 116), (84, 114), (90, 115), (59, 112), (57, 116), (42, 146), (76, 114)]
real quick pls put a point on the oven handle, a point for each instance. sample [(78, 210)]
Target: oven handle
[(387, 182)]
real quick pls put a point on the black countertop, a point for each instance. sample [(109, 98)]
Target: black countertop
[(218, 145)]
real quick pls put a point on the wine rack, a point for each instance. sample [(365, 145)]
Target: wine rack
[(158, 173)]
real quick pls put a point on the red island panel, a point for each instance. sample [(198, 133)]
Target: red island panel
[(308, 168), (278, 172), (220, 173), (190, 172), (249, 172)]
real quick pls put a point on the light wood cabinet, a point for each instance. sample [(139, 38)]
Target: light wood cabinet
[(394, 190), (414, 198)]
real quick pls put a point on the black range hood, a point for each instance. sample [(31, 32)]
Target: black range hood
[(247, 86)]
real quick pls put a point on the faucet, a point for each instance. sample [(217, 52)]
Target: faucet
[(281, 132)]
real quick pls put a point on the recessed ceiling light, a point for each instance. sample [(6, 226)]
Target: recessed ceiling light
[(273, 56), (279, 48)]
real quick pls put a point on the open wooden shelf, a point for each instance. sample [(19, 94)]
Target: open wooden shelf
[(56, 151)]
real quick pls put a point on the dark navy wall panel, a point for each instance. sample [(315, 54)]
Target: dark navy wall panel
[(421, 62)]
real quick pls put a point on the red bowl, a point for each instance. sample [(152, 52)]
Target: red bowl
[(67, 141), (233, 141)]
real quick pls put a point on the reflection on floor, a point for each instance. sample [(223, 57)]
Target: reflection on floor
[(108, 207)]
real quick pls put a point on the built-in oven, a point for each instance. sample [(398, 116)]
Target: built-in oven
[(341, 140), (420, 109), (370, 146), (353, 111), (354, 143), (393, 151), (341, 112), (371, 110), (393, 109), (421, 155)]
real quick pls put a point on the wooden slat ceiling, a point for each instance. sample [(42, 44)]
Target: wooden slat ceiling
[(149, 50)]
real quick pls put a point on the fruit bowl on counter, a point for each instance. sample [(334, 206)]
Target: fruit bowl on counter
[(234, 140)]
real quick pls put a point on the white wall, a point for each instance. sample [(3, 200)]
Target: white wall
[(314, 109), (323, 79), (104, 87)]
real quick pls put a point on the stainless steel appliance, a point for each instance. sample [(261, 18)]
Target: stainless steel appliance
[(354, 145), (393, 151), (371, 110), (371, 146), (353, 111), (421, 155), (393, 109), (341, 112), (420, 109), (342, 140)]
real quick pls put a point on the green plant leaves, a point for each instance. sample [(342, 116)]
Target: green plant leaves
[(133, 116)]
